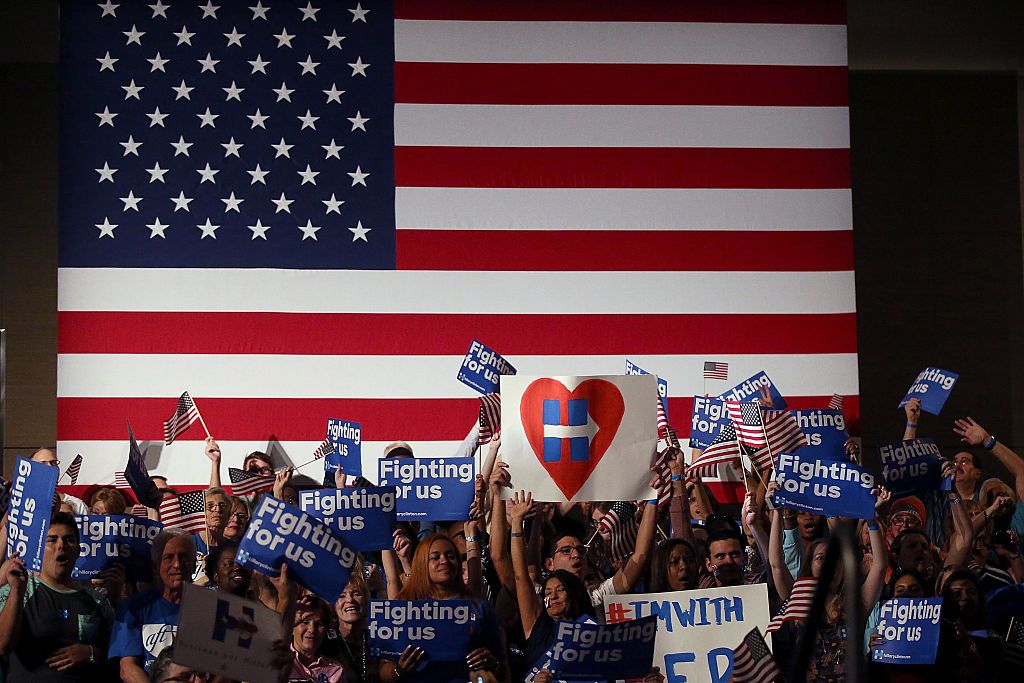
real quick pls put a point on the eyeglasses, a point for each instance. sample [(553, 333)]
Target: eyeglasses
[(568, 550), (51, 463), (217, 507), (188, 677), (259, 470), (240, 516)]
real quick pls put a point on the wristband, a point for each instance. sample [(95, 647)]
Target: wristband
[(518, 534), (653, 502), (471, 539), (911, 425), (990, 443), (676, 477), (92, 654), (872, 526), (955, 499)]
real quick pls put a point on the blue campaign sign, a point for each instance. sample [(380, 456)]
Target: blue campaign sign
[(932, 387), (441, 627), (750, 388), (634, 369), (910, 467), (590, 652), (825, 431), (28, 517), (824, 487), (438, 489), (709, 416), (347, 439), (316, 555), (365, 517), (910, 628), (106, 540), (482, 367)]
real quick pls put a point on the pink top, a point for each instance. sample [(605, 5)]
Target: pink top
[(319, 670)]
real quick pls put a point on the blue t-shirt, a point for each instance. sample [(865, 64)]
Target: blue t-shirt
[(145, 624)]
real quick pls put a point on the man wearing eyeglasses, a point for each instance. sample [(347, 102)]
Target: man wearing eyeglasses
[(47, 456), (166, 670)]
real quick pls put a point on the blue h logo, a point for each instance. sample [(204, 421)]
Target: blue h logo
[(225, 622), (573, 428)]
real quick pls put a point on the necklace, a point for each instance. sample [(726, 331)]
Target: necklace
[(352, 657)]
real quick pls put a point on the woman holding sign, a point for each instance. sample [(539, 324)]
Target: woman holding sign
[(437, 574)]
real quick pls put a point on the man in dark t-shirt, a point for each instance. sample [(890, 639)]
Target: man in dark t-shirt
[(52, 629)]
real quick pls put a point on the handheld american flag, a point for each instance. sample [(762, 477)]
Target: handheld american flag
[(74, 468), (715, 370), (724, 449), (243, 483), (184, 415), (836, 402), (746, 417), (619, 528), (120, 482), (490, 417), (752, 661), (187, 511), (323, 449), (783, 434), (798, 606)]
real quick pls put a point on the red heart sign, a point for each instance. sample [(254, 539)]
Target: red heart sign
[(605, 407)]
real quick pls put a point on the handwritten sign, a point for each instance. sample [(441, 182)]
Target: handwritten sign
[(697, 629)]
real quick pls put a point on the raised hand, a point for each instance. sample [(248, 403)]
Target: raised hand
[(500, 478), (282, 479), (402, 545), (520, 505), (13, 573), (913, 410), (970, 432), (766, 397), (882, 497), (409, 661), (212, 449)]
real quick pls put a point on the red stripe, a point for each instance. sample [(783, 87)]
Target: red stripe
[(640, 84), (635, 250), (605, 167), (375, 334), (734, 11), (236, 419)]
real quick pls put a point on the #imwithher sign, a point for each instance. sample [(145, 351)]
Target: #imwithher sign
[(830, 488), (696, 629), (440, 627), (316, 556), (910, 630), (430, 488), (634, 369), (932, 387), (347, 439), (482, 368), (750, 390), (579, 438), (590, 652), (28, 516), (224, 634), (106, 540), (912, 466), (709, 416), (365, 517), (826, 433)]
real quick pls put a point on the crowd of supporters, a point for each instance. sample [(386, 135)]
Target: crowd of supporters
[(529, 565)]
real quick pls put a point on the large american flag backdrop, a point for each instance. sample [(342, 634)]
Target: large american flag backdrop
[(301, 211)]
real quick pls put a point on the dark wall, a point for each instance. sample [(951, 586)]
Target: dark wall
[(936, 206)]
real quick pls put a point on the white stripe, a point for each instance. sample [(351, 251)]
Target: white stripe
[(182, 464), (621, 126), (381, 291), (322, 376), (464, 208), (619, 42), (468, 208)]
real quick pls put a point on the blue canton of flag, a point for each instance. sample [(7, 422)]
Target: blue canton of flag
[(579, 445), (227, 135)]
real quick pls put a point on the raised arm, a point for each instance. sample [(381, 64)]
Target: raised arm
[(474, 567), (679, 506), (776, 556), (913, 411), (498, 546), (527, 598), (962, 538), (973, 434), (871, 589), (12, 573), (626, 578), (213, 453)]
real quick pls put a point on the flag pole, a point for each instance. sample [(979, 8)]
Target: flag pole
[(200, 414)]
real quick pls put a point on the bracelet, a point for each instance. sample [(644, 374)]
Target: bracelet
[(985, 512), (872, 526), (653, 501), (955, 499), (471, 539), (990, 443), (518, 534), (676, 477), (92, 654), (911, 425)]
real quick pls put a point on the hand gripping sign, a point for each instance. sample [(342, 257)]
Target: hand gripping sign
[(580, 438)]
